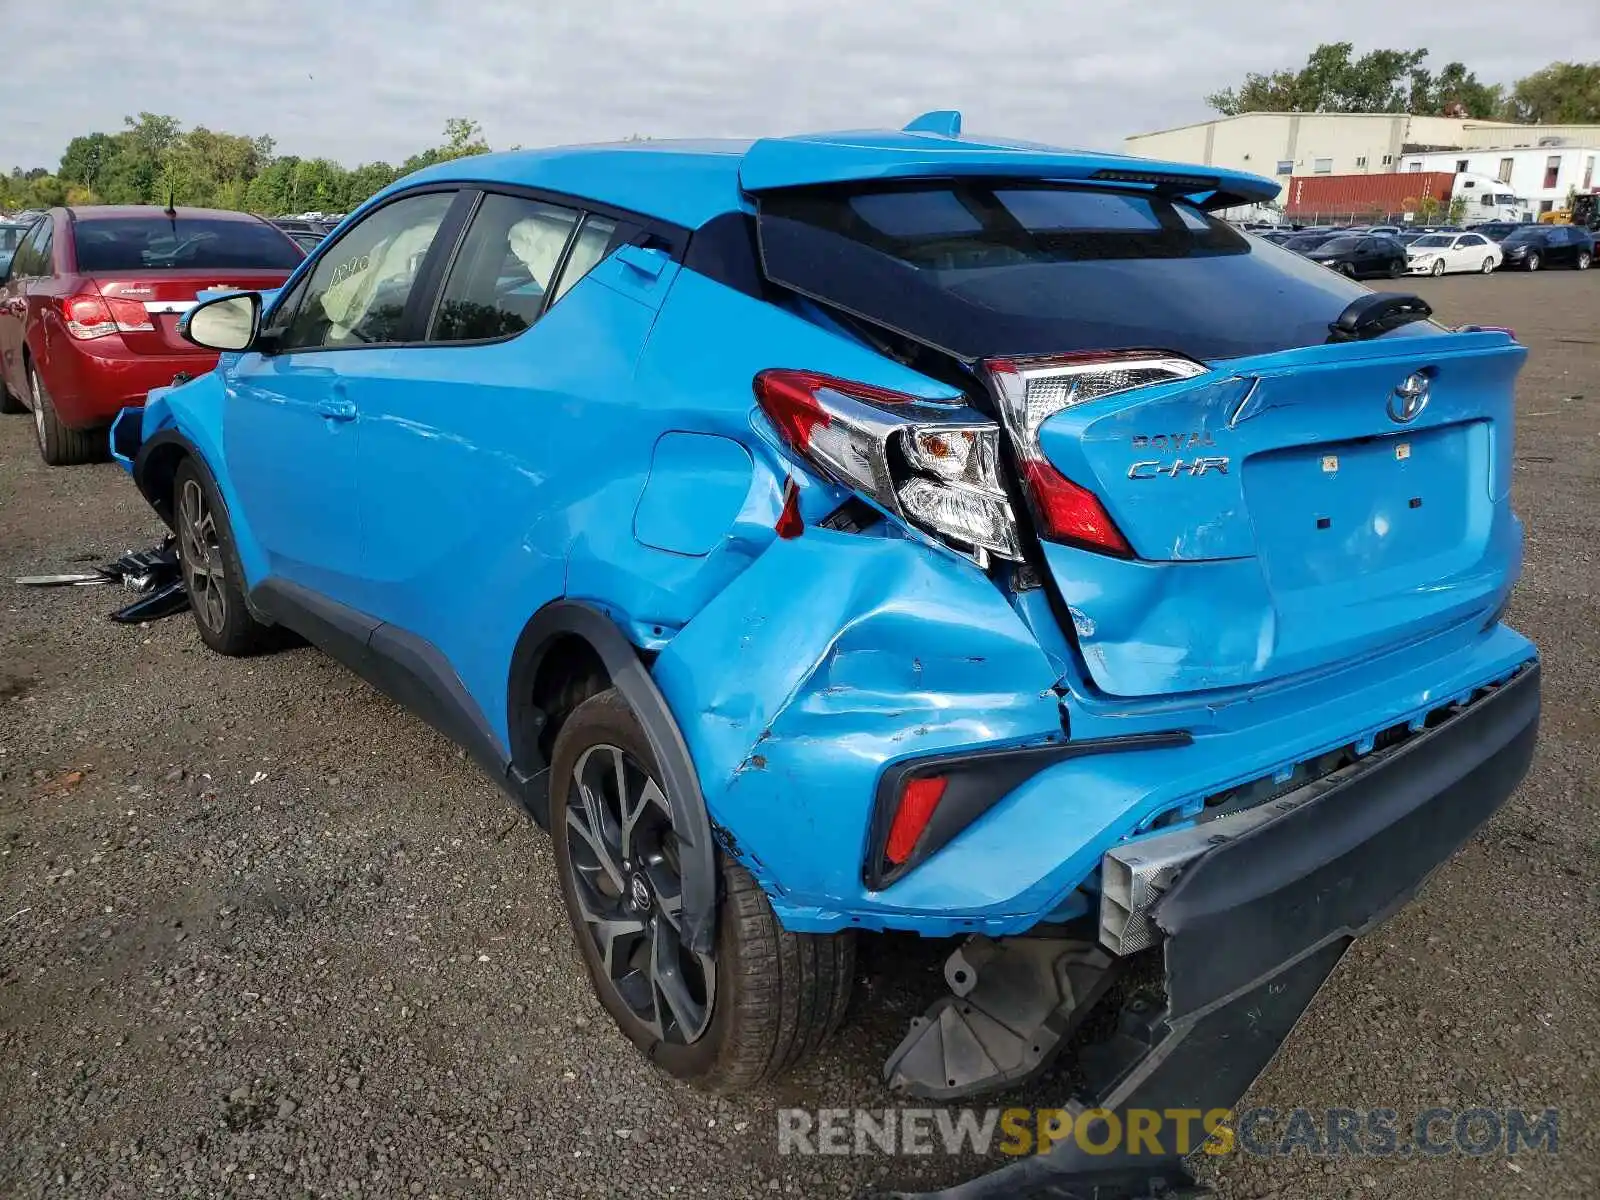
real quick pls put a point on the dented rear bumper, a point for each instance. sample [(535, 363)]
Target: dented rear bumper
[(1251, 928)]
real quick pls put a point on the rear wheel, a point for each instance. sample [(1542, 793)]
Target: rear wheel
[(59, 446), (763, 1001), (1397, 268), (1438, 266), (1584, 259), (1488, 266), (210, 567), (1533, 262)]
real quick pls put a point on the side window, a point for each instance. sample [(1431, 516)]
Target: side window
[(587, 252), (28, 258), (44, 265), (356, 294), (506, 265)]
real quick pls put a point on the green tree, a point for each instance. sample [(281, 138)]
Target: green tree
[(1329, 82), (1454, 92), (86, 157), (1561, 94)]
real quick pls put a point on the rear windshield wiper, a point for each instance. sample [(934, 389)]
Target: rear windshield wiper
[(1377, 314)]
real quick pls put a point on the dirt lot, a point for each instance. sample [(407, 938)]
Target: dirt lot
[(264, 934)]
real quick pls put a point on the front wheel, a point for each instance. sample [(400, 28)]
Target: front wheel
[(1584, 259), (1438, 267), (210, 566), (763, 1001), (1488, 266), (1533, 262)]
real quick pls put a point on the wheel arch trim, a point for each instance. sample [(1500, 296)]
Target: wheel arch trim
[(632, 679)]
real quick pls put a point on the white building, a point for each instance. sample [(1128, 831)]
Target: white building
[(1544, 176), (1286, 144)]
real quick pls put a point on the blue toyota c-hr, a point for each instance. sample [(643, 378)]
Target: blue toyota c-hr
[(886, 531)]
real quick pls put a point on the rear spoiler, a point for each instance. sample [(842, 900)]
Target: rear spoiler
[(932, 147)]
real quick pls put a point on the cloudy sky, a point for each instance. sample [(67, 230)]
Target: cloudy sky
[(358, 80)]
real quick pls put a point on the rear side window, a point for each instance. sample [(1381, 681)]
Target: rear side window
[(105, 244), (505, 267), (587, 252), (1009, 268)]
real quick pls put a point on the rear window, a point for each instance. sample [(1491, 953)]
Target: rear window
[(181, 244), (981, 268)]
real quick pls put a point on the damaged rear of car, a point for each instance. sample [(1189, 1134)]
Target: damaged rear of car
[(917, 533)]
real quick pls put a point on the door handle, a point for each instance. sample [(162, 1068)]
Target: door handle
[(337, 407)]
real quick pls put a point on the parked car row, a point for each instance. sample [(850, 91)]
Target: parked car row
[(1364, 252), (89, 307)]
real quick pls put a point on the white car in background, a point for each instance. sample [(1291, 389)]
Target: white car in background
[(1439, 253)]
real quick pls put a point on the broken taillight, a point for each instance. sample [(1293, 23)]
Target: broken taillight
[(933, 465), (1030, 391)]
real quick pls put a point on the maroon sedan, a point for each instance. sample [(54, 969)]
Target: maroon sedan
[(89, 310)]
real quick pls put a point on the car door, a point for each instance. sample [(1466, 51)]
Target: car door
[(1366, 256), (292, 426), (1563, 250), (27, 265), (490, 450)]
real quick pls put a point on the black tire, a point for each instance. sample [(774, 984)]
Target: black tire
[(1488, 265), (1397, 268), (1533, 261), (1438, 267), (1584, 259), (59, 445), (774, 996), (210, 566)]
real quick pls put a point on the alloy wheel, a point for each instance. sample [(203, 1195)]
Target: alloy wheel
[(200, 555), (1488, 266), (1533, 262), (1584, 259), (1438, 267), (629, 888)]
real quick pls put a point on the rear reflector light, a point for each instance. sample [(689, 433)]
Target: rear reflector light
[(90, 315), (917, 801), (934, 465), (1031, 391)]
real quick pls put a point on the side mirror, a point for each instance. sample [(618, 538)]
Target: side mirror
[(225, 323)]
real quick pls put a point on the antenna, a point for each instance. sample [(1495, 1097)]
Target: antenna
[(172, 208)]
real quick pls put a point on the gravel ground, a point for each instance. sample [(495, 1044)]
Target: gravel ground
[(264, 934)]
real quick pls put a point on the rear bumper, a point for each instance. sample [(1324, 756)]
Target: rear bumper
[(1253, 927), (95, 380)]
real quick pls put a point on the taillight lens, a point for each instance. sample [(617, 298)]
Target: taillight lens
[(1030, 391), (90, 315), (935, 466)]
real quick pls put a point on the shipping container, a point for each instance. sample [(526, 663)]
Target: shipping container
[(1361, 195)]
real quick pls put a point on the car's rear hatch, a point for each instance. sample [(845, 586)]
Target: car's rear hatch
[(161, 261), (167, 295), (1283, 501)]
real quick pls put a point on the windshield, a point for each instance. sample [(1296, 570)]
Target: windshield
[(990, 268), (181, 244), (1432, 239), (11, 237)]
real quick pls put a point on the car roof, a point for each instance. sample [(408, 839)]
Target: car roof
[(106, 212), (688, 183)]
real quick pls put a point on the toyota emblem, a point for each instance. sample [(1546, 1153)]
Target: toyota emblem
[(1409, 399)]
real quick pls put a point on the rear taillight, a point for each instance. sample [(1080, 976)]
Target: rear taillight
[(933, 465), (1030, 391), (90, 315)]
